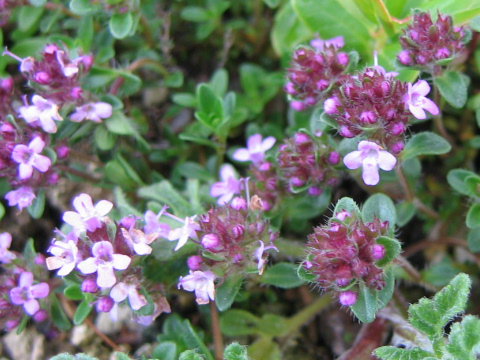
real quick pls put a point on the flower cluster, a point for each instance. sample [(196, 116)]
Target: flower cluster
[(106, 256), (344, 253), (425, 43), (233, 239), (315, 71), (304, 160)]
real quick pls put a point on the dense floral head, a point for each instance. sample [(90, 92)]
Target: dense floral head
[(371, 104), (265, 182), (344, 253), (424, 43), (306, 161), (314, 72)]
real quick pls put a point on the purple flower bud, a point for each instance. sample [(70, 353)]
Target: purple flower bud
[(296, 181), (334, 158), (368, 117), (266, 205), (40, 315), (378, 251), (11, 324), (348, 298), (42, 78), (62, 152), (265, 166), (442, 53), (260, 227), (330, 105), (345, 132), (413, 35), (211, 242), (398, 147), (297, 105), (238, 231), (237, 258), (7, 84), (87, 61), (404, 58), (343, 282), (342, 58), (301, 138), (421, 59), (290, 88), (322, 84), (104, 304), (53, 179), (314, 191), (128, 221), (77, 92), (40, 259), (89, 285), (310, 101), (398, 128), (238, 204), (195, 262)]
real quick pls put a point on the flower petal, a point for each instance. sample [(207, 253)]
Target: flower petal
[(268, 143), (417, 111), (40, 291), (106, 277), (26, 279), (88, 266), (254, 143), (121, 262), (430, 106), (241, 155), (386, 161), (370, 171), (421, 88), (31, 306), (119, 292), (353, 160)]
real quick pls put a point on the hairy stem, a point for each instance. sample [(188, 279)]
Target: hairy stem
[(217, 332)]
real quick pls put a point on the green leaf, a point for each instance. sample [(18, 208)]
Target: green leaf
[(385, 295), (425, 143), (239, 323), (184, 99), (225, 294), (473, 216), (453, 87), (190, 355), (380, 206), (331, 18), (121, 25), (29, 253), (164, 193), (346, 204), (235, 351), (456, 179), (304, 274), (283, 275), (195, 14), (265, 348), (83, 310), (2, 211), (81, 7), (85, 33), (366, 305), (219, 82), (392, 247), (122, 356), (473, 240), (59, 317), (119, 124), (23, 324), (405, 212), (393, 353), (38, 2), (123, 205), (38, 205), (272, 4), (174, 80), (472, 183), (104, 139), (275, 325), (475, 23), (73, 292), (166, 350), (431, 316), (464, 338), (29, 17)]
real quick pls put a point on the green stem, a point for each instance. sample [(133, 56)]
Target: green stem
[(301, 318), (221, 148), (438, 120), (147, 61)]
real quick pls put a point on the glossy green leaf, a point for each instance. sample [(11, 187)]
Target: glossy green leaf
[(184, 99), (453, 87), (473, 216), (219, 82), (59, 317), (472, 183), (121, 25), (29, 17), (82, 312), (283, 275), (81, 7), (2, 211), (73, 292), (29, 253), (225, 294), (366, 306), (456, 179), (304, 274), (425, 143), (274, 325), (381, 207), (85, 33), (119, 124)]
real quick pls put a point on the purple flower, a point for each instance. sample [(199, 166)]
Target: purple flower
[(65, 257), (152, 225), (320, 44), (259, 255), (69, 69), (29, 157), (103, 262), (122, 290), (348, 298), (87, 216), (201, 283), (370, 157), (92, 111), (42, 112), (23, 197), (228, 187), (26, 293), (417, 102), (137, 240), (5, 255), (256, 148), (188, 230)]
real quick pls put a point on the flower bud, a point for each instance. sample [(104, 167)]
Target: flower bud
[(62, 152), (237, 258), (297, 182), (265, 166), (342, 58), (290, 88), (398, 147), (404, 58), (378, 251), (128, 222), (89, 285), (301, 138), (7, 84), (334, 158), (348, 298), (11, 324), (442, 53), (297, 105), (322, 84), (345, 132), (40, 259), (42, 78), (238, 204), (104, 304), (314, 191), (367, 117), (76, 92), (195, 262), (40, 315), (211, 242), (330, 105), (53, 179), (398, 128), (238, 231)]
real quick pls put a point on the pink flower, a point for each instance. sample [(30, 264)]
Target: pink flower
[(23, 197), (29, 157), (201, 283), (188, 230), (122, 290), (103, 262), (65, 257), (259, 255), (348, 298), (92, 111), (256, 148), (370, 157), (417, 102), (153, 225), (228, 187), (320, 44), (5, 255), (87, 216), (137, 240), (27, 293), (43, 112)]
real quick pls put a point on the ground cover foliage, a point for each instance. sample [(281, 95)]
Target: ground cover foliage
[(216, 179)]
